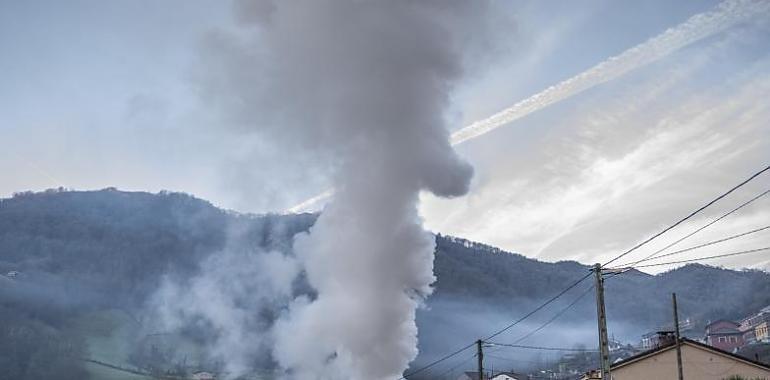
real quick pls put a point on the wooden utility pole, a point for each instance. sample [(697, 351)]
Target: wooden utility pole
[(604, 349), (480, 355), (678, 340)]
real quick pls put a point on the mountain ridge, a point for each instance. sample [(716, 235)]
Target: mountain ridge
[(83, 251)]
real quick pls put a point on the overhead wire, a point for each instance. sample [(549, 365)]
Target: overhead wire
[(746, 252), (653, 255), (552, 299), (437, 361), (556, 316), (498, 332), (509, 359), (707, 244), (525, 347), (715, 200), (456, 366)]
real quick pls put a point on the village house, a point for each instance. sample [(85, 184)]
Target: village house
[(202, 375), (507, 375), (472, 376), (755, 327), (699, 361), (761, 333), (725, 335), (761, 316), (753, 330), (650, 339), (749, 335)]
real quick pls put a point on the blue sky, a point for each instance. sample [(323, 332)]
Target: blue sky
[(97, 94)]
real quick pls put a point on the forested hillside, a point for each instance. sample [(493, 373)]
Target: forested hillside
[(66, 255), (481, 272)]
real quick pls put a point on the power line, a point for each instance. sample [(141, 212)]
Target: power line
[(456, 366), (509, 359), (653, 255), (524, 347), (705, 258), (715, 200), (506, 328), (556, 316), (433, 363), (706, 244)]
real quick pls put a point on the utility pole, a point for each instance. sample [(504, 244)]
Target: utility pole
[(604, 350), (480, 355), (678, 340)]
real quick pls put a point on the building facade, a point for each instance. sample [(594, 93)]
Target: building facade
[(725, 335), (699, 361), (761, 333)]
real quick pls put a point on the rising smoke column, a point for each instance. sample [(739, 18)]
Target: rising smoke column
[(362, 84)]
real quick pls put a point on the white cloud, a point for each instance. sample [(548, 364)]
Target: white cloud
[(617, 165)]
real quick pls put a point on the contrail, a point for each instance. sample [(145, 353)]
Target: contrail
[(38, 169), (696, 28), (308, 204)]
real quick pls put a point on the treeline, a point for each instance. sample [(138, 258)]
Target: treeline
[(121, 243), (478, 272)]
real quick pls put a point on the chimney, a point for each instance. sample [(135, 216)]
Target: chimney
[(665, 338)]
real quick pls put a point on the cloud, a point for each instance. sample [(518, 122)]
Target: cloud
[(616, 165)]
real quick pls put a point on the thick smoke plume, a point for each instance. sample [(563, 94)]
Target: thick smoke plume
[(363, 85)]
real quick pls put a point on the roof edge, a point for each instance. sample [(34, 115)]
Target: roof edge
[(695, 344)]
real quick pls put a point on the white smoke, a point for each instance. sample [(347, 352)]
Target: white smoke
[(727, 14), (225, 301), (364, 85)]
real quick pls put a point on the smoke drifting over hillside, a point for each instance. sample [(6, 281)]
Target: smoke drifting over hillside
[(363, 85), (231, 300)]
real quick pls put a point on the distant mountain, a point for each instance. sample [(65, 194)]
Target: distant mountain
[(78, 251), (480, 272)]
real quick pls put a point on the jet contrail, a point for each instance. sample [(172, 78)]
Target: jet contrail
[(39, 170), (308, 204), (696, 28)]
